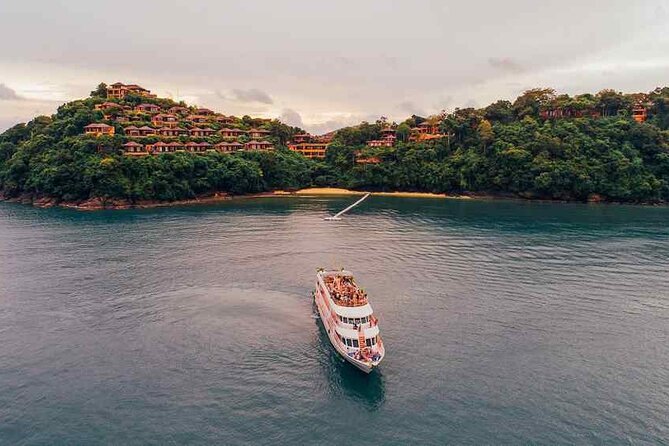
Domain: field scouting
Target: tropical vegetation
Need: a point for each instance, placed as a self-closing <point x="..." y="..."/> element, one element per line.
<point x="593" y="150"/>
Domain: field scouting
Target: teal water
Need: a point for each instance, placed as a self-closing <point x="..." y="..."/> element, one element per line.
<point x="504" y="323"/>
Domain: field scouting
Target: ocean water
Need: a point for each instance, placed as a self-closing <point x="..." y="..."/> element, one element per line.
<point x="504" y="323"/>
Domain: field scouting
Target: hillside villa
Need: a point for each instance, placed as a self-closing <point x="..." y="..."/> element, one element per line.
<point x="305" y="144"/>
<point x="388" y="138"/>
<point x="99" y="129"/>
<point x="120" y="91"/>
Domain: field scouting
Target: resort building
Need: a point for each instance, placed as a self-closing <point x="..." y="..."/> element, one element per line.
<point x="221" y="119"/>
<point x="198" y="119"/>
<point x="165" y="120"/>
<point x="196" y="132"/>
<point x="107" y="106"/>
<point x="381" y="142"/>
<point x="131" y="130"/>
<point x="326" y="138"/>
<point x="301" y="138"/>
<point x="163" y="147"/>
<point x="178" y="110"/>
<point x="120" y="91"/>
<point x="231" y="133"/>
<point x="175" y="147"/>
<point x="367" y="160"/>
<point x="134" y="149"/>
<point x="640" y="113"/>
<point x="228" y="146"/>
<point x="259" y="145"/>
<point x="147" y="108"/>
<point x="198" y="147"/>
<point x="146" y="131"/>
<point x="171" y="131"/>
<point x="388" y="138"/>
<point x="425" y="132"/>
<point x="258" y="133"/>
<point x="204" y="112"/>
<point x="158" y="147"/>
<point x="309" y="149"/>
<point x="99" y="129"/>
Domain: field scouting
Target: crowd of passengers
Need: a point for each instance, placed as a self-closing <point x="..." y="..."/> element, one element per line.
<point x="343" y="289"/>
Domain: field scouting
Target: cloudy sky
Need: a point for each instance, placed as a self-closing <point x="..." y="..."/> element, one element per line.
<point x="324" y="65"/>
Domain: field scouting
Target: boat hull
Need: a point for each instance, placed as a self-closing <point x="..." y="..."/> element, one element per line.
<point x="364" y="366"/>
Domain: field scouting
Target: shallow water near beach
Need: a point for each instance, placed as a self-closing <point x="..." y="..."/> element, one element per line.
<point x="504" y="322"/>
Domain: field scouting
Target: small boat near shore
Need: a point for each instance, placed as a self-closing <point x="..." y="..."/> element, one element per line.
<point x="348" y="319"/>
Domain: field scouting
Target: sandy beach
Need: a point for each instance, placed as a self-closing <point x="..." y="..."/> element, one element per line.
<point x="340" y="191"/>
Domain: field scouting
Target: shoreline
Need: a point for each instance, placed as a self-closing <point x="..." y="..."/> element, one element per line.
<point x="98" y="204"/>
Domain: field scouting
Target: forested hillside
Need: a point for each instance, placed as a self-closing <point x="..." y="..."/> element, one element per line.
<point x="541" y="145"/>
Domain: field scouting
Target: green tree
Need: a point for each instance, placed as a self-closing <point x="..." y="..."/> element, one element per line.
<point x="100" y="91"/>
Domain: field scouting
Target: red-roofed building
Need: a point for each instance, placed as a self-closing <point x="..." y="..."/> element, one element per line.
<point x="99" y="129"/>
<point x="171" y="132"/>
<point x="131" y="130"/>
<point x="120" y="91"/>
<point x="259" y="145"/>
<point x="199" y="119"/>
<point x="258" y="133"/>
<point x="198" y="147"/>
<point x="301" y="138"/>
<point x="148" y="108"/>
<point x="134" y="149"/>
<point x="309" y="149"/>
<point x="107" y="106"/>
<point x="231" y="133"/>
<point x="165" y="120"/>
<point x="196" y="132"/>
<point x="228" y="146"/>
<point x="425" y="132"/>
<point x="146" y="131"/>
<point x="221" y="119"/>
<point x="640" y="113"/>
<point x="178" y="110"/>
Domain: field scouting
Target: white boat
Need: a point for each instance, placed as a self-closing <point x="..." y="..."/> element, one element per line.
<point x="348" y="319"/>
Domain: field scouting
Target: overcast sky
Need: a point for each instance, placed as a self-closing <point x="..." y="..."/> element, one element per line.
<point x="324" y="65"/>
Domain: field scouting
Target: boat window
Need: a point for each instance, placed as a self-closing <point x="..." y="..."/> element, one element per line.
<point x="348" y="342"/>
<point x="368" y="342"/>
<point x="355" y="342"/>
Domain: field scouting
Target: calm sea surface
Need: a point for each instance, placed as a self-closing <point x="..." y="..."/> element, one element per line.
<point x="504" y="323"/>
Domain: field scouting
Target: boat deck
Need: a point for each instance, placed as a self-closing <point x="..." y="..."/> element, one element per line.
<point x="344" y="291"/>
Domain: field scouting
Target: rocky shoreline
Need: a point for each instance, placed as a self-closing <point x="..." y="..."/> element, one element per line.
<point x="99" y="204"/>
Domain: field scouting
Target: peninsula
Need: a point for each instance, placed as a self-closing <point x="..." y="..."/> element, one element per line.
<point x="124" y="147"/>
